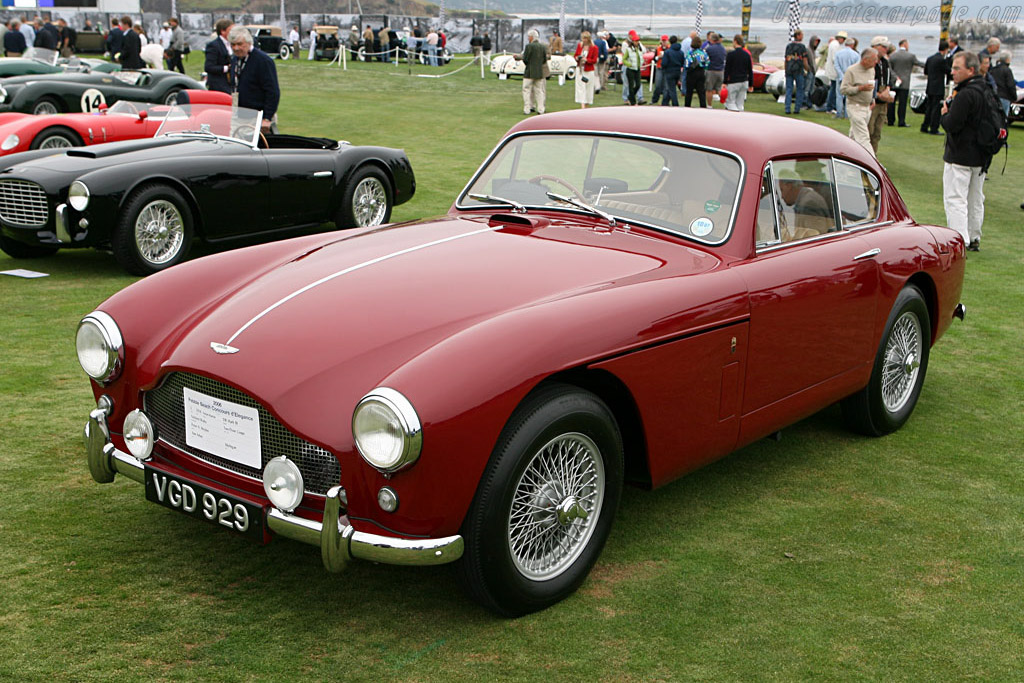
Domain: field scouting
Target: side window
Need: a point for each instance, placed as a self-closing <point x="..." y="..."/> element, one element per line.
<point x="858" y="194"/>
<point x="767" y="228"/>
<point x="804" y="189"/>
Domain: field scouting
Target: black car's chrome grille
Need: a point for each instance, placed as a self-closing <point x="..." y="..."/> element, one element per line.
<point x="165" y="407"/>
<point x="23" y="203"/>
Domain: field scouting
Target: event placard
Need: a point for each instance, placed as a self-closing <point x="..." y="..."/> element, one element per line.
<point x="222" y="428"/>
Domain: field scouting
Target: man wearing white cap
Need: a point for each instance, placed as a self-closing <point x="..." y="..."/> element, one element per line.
<point x="834" y="46"/>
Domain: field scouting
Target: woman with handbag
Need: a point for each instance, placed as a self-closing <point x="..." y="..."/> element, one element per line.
<point x="586" y="60"/>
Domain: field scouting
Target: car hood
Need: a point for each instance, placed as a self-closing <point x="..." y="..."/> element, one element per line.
<point x="347" y="311"/>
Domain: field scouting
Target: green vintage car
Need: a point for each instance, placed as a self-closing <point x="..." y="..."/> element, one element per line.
<point x="39" y="60"/>
<point x="87" y="92"/>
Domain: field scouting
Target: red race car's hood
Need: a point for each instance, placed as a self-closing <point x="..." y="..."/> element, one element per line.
<point x="363" y="304"/>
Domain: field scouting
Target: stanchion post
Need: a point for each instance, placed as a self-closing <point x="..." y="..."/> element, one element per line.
<point x="344" y="58"/>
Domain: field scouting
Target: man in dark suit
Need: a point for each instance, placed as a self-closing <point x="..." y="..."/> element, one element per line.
<point x="115" y="39"/>
<point x="131" y="48"/>
<point x="936" y="69"/>
<point x="255" y="77"/>
<point x="903" y="62"/>
<point x="218" y="58"/>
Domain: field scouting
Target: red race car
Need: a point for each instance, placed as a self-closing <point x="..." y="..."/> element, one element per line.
<point x="122" y="121"/>
<point x="611" y="298"/>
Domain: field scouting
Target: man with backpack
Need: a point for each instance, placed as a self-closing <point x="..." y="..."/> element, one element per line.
<point x="975" y="130"/>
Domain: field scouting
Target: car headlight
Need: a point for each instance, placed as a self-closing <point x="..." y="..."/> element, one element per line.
<point x="10" y="142"/>
<point x="387" y="430"/>
<point x="282" y="482"/>
<point x="100" y="347"/>
<point x="139" y="435"/>
<point x="78" y="195"/>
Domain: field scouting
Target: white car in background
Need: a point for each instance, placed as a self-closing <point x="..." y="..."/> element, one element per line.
<point x="510" y="66"/>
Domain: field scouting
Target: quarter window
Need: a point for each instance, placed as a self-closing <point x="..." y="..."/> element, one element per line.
<point x="858" y="193"/>
<point x="803" y="192"/>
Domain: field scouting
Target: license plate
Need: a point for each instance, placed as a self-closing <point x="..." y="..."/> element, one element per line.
<point x="204" y="503"/>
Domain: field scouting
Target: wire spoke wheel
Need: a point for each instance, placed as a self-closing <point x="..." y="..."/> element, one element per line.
<point x="902" y="361"/>
<point x="45" y="107"/>
<point x="55" y="142"/>
<point x="369" y="202"/>
<point x="159" y="231"/>
<point x="555" y="506"/>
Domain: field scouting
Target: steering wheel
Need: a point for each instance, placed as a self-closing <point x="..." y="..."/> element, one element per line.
<point x="133" y="110"/>
<point x="243" y="131"/>
<point x="559" y="181"/>
<point x="263" y="140"/>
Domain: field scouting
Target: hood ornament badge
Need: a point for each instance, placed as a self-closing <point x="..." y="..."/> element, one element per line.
<point x="222" y="348"/>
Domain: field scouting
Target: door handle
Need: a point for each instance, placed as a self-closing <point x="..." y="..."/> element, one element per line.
<point x="872" y="253"/>
<point x="323" y="174"/>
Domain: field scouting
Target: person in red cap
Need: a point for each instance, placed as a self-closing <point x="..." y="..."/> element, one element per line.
<point x="632" y="60"/>
<point x="659" y="76"/>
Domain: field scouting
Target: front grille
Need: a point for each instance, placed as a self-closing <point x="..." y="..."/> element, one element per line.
<point x="166" y="408"/>
<point x="23" y="203"/>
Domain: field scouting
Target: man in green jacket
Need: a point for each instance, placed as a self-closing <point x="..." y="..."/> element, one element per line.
<point x="535" y="58"/>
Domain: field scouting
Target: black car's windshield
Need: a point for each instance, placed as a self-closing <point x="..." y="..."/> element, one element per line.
<point x="233" y="123"/>
<point x="42" y="54"/>
<point x="683" y="189"/>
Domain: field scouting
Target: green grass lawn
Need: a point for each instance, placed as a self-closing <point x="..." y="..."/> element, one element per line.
<point x="824" y="555"/>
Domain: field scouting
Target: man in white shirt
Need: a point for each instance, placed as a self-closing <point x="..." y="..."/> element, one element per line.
<point x="432" y="47"/>
<point x="834" y="46"/>
<point x="165" y="36"/>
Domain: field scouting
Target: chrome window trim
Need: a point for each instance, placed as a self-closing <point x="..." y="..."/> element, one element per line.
<point x="758" y="246"/>
<point x="866" y="226"/>
<point x="612" y="134"/>
<point x="835" y="190"/>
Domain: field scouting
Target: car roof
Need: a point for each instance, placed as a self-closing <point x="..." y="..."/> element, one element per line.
<point x="755" y="137"/>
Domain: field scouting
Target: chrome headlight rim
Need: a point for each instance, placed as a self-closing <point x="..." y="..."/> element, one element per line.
<point x="78" y="196"/>
<point x="139" y="435"/>
<point x="408" y="421"/>
<point x="283" y="483"/>
<point x="112" y="341"/>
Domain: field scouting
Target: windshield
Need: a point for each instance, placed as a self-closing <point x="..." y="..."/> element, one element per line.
<point x="234" y="123"/>
<point x="688" y="191"/>
<point x="41" y="54"/>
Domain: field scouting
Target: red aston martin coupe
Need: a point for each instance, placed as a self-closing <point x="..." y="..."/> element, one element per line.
<point x="616" y="295"/>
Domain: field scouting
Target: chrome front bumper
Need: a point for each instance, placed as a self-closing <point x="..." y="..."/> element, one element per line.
<point x="338" y="542"/>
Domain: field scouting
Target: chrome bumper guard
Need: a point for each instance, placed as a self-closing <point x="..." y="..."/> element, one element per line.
<point x="338" y="542"/>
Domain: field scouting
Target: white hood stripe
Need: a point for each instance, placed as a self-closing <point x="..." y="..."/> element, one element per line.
<point x="350" y="269"/>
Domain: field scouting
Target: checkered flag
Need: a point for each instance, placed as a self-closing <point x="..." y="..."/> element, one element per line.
<point x="794" y="18"/>
<point x="561" y="20"/>
<point x="700" y="15"/>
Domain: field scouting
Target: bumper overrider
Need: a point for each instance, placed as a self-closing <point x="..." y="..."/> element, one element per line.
<point x="338" y="542"/>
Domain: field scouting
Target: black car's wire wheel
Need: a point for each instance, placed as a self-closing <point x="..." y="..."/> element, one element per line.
<point x="172" y="96"/>
<point x="545" y="504"/>
<point x="57" y="137"/>
<point x="367" y="200"/>
<point x="154" y="231"/>
<point x="46" y="105"/>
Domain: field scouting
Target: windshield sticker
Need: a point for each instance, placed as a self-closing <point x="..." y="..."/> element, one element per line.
<point x="701" y="226"/>
<point x="712" y="205"/>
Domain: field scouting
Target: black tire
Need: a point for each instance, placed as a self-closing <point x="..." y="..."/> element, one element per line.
<point x="47" y="105"/>
<point x="57" y="137"/>
<point x="16" y="249"/>
<point x="154" y="230"/>
<point x="570" y="73"/>
<point x="368" y="200"/>
<point x="285" y="52"/>
<point x="361" y="54"/>
<point x="172" y="96"/>
<point x="885" y="404"/>
<point x="521" y="503"/>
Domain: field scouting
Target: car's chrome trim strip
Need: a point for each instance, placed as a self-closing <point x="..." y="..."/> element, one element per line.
<point x="348" y="270"/>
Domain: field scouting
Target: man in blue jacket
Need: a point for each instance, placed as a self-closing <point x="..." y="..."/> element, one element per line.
<point x="218" y="58"/>
<point x="671" y="63"/>
<point x="255" y="77"/>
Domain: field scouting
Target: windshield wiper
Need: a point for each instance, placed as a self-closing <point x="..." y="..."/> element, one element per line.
<point x="516" y="206"/>
<point x="586" y="207"/>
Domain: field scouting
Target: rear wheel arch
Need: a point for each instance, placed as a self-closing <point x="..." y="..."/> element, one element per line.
<point x="926" y="285"/>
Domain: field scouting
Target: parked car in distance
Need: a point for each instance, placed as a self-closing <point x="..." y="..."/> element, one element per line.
<point x="208" y="173"/>
<point x="39" y="60"/>
<point x="326" y="42"/>
<point x="269" y="39"/>
<point x="611" y="298"/>
<point x="123" y="120"/>
<point x="87" y="92"/>
<point x="508" y="65"/>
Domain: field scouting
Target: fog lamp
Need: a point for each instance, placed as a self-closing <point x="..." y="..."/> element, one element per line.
<point x="282" y="481"/>
<point x="138" y="434"/>
<point x="387" y="499"/>
<point x="10" y="142"/>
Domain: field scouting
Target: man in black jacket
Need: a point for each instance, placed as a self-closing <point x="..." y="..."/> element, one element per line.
<point x="255" y="77"/>
<point x="218" y="58"/>
<point x="935" y="69"/>
<point x="963" y="175"/>
<point x="131" y="48"/>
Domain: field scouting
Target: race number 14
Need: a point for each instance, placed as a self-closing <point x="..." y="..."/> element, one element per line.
<point x="92" y="100"/>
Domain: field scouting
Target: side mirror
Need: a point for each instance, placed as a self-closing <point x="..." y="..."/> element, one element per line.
<point x="143" y="115"/>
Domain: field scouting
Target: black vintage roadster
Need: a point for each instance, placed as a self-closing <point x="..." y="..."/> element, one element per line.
<point x="209" y="174"/>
